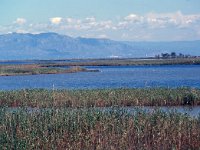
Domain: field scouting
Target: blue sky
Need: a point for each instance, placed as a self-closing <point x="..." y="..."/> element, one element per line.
<point x="132" y="20"/>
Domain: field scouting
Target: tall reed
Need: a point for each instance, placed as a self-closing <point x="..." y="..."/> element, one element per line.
<point x="100" y="97"/>
<point x="95" y="129"/>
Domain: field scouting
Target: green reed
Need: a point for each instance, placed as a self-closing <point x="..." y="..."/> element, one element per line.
<point x="96" y="129"/>
<point x="100" y="97"/>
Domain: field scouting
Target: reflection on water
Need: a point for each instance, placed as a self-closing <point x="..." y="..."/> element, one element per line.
<point x="190" y="111"/>
<point x="110" y="77"/>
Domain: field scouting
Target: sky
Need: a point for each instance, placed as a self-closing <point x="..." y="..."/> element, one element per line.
<point x="123" y="20"/>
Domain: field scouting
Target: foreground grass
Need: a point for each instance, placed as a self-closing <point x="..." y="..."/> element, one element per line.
<point x="57" y="122"/>
<point x="93" y="129"/>
<point x="41" y="98"/>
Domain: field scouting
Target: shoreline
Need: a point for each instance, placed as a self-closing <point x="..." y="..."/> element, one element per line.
<point x="55" y="66"/>
<point x="128" y="62"/>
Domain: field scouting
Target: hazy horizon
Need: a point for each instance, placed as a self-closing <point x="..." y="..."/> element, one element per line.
<point x="128" y="20"/>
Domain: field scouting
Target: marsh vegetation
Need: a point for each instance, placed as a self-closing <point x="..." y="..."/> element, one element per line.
<point x="93" y="129"/>
<point x="30" y="69"/>
<point x="70" y="119"/>
<point x="42" y="98"/>
<point x="77" y="65"/>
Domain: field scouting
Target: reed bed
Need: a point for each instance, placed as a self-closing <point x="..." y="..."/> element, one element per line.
<point x="93" y="129"/>
<point x="14" y="70"/>
<point x="41" y="98"/>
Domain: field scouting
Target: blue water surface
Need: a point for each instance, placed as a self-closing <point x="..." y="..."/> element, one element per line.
<point x="110" y="77"/>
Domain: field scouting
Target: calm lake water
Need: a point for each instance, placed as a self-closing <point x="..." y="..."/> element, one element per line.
<point x="110" y="77"/>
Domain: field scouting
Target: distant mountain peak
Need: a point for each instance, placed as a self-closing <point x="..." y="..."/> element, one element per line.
<point x="52" y="45"/>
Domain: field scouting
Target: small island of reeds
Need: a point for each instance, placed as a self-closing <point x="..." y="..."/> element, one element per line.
<point x="80" y="65"/>
<point x="35" y="69"/>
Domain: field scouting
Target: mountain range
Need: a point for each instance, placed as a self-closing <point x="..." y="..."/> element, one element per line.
<point x="17" y="46"/>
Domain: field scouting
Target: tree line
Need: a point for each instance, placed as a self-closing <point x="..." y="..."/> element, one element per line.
<point x="172" y="55"/>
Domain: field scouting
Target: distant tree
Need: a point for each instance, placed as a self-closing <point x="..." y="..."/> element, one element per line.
<point x="181" y="55"/>
<point x="173" y="55"/>
<point x="165" y="55"/>
<point x="187" y="56"/>
<point x="157" y="56"/>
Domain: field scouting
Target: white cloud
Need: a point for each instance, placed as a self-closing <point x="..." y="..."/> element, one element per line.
<point x="90" y="19"/>
<point x="159" y="20"/>
<point x="133" y="18"/>
<point x="105" y="25"/>
<point x="102" y="36"/>
<point x="20" y="21"/>
<point x="89" y="23"/>
<point x="122" y="24"/>
<point x="176" y="19"/>
<point x="69" y="20"/>
<point x="151" y="26"/>
<point x="56" y="20"/>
